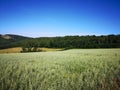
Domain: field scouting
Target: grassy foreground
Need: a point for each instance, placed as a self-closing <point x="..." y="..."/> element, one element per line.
<point x="76" y="69"/>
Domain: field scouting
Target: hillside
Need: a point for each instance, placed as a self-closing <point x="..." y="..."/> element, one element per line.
<point x="10" y="40"/>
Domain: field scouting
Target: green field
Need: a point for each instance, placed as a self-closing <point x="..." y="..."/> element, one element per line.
<point x="75" y="69"/>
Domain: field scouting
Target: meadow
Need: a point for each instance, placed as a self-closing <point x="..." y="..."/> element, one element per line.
<point x="74" y="69"/>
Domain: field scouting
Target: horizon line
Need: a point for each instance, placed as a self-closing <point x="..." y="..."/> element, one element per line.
<point x="59" y="35"/>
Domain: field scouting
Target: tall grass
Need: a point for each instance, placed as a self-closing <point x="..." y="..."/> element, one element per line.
<point x="76" y="69"/>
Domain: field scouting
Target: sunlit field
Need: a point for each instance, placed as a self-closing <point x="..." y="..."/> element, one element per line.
<point x="11" y="50"/>
<point x="75" y="69"/>
<point x="19" y="49"/>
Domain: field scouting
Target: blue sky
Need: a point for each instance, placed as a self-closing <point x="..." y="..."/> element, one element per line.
<point x="38" y="18"/>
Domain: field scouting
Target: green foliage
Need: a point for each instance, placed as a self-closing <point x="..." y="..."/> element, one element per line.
<point x="34" y="49"/>
<point x="109" y="41"/>
<point x="76" y="69"/>
<point x="30" y="46"/>
<point x="24" y="49"/>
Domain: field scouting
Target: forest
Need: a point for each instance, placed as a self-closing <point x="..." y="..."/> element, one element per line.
<point x="67" y="42"/>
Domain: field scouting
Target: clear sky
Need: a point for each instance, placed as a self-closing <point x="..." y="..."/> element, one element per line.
<point x="38" y="18"/>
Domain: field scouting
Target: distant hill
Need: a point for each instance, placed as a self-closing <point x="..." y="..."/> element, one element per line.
<point x="6" y="37"/>
<point x="10" y="40"/>
<point x="13" y="37"/>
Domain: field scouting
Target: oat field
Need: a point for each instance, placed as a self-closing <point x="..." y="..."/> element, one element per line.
<point x="75" y="69"/>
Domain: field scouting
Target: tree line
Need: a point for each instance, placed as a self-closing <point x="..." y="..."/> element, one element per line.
<point x="68" y="42"/>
